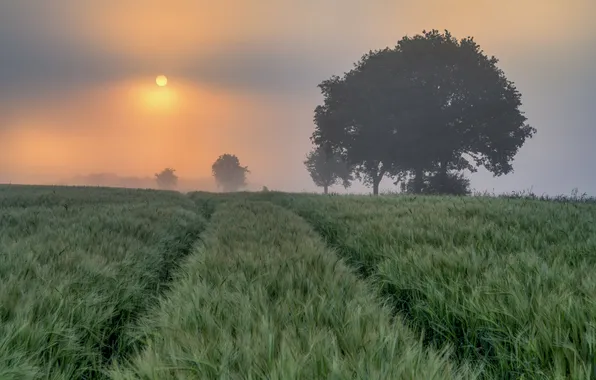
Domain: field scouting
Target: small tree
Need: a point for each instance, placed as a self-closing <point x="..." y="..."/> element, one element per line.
<point x="228" y="173"/>
<point x="327" y="169"/>
<point x="166" y="179"/>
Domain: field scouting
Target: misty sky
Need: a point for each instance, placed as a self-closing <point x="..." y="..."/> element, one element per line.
<point x="77" y="90"/>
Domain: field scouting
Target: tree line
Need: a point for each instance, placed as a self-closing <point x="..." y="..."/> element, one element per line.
<point x="228" y="173"/>
<point x="419" y="113"/>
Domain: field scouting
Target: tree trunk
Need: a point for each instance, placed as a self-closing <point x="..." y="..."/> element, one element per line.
<point x="418" y="181"/>
<point x="376" y="182"/>
<point x="443" y="169"/>
<point x="443" y="177"/>
<point x="326" y="189"/>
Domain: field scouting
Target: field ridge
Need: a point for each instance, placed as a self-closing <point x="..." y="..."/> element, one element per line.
<point x="80" y="265"/>
<point x="263" y="297"/>
<point x="499" y="279"/>
<point x="174" y="247"/>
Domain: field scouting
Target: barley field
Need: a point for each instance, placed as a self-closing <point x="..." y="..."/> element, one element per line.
<point x="135" y="284"/>
<point x="78" y="267"/>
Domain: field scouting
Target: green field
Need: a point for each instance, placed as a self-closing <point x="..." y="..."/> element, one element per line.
<point x="134" y="284"/>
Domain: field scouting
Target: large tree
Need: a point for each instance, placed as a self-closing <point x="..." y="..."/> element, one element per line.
<point x="167" y="179"/>
<point x="432" y="104"/>
<point x="229" y="174"/>
<point x="327" y="168"/>
<point x="355" y="125"/>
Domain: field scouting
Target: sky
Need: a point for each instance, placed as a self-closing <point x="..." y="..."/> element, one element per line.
<point x="78" y="93"/>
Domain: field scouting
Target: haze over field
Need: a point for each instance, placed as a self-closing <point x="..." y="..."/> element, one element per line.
<point x="78" y="92"/>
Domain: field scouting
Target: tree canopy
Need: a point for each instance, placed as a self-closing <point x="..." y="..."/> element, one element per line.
<point x="229" y="174"/>
<point x="431" y="104"/>
<point x="167" y="179"/>
<point x="327" y="168"/>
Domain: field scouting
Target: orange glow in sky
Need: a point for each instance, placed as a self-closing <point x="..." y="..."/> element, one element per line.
<point x="242" y="75"/>
<point x="145" y="128"/>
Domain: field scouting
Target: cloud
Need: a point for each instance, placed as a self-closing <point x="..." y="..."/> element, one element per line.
<point x="263" y="46"/>
<point x="267" y="67"/>
<point x="58" y="45"/>
<point x="29" y="70"/>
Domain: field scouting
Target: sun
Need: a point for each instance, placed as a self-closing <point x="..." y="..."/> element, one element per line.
<point x="161" y="80"/>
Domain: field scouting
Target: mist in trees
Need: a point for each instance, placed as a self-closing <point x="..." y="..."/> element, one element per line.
<point x="421" y="113"/>
<point x="228" y="173"/>
<point x="166" y="179"/>
<point x="327" y="168"/>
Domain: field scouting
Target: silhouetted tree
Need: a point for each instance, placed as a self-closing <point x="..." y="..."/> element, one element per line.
<point x="166" y="179"/>
<point x="348" y="124"/>
<point x="431" y="104"/>
<point x="327" y="169"/>
<point x="228" y="173"/>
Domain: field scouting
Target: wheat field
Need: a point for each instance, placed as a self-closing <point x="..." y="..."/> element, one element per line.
<point x="102" y="283"/>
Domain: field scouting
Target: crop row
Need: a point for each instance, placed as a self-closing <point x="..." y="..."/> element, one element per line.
<point x="509" y="283"/>
<point x="263" y="297"/>
<point x="78" y="267"/>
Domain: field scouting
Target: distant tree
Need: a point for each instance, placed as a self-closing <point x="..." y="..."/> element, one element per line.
<point x="228" y="173"/>
<point x="166" y="179"/>
<point x="431" y="104"/>
<point x="327" y="168"/>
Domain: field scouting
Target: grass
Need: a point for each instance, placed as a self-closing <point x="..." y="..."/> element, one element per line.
<point x="263" y="297"/>
<point x="78" y="267"/>
<point x="128" y="284"/>
<point x="508" y="282"/>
